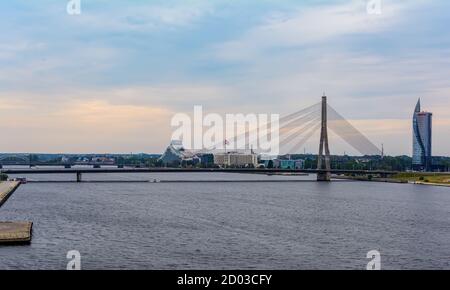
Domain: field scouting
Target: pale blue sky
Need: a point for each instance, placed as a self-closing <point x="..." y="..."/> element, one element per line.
<point x="147" y="60"/>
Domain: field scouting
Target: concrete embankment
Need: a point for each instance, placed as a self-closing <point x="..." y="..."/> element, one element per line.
<point x="13" y="232"/>
<point x="6" y="189"/>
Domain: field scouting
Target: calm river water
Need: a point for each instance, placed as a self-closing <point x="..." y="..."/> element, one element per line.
<point x="223" y="225"/>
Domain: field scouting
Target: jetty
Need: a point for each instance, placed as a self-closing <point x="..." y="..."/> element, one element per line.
<point x="7" y="188"/>
<point x="13" y="232"/>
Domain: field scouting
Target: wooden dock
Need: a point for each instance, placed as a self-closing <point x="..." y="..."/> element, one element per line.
<point x="6" y="189"/>
<point x="18" y="232"/>
<point x="15" y="232"/>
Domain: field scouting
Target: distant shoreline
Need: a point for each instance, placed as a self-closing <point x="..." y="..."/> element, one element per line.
<point x="407" y="178"/>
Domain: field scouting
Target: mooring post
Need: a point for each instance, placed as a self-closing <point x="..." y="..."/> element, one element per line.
<point x="78" y="176"/>
<point x="325" y="175"/>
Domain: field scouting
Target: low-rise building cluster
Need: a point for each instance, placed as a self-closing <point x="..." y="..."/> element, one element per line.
<point x="177" y="156"/>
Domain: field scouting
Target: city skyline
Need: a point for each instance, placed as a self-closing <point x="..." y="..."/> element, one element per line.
<point x="110" y="79"/>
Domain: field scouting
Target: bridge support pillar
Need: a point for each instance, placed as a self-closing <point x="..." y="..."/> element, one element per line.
<point x="323" y="162"/>
<point x="78" y="176"/>
<point x="324" y="176"/>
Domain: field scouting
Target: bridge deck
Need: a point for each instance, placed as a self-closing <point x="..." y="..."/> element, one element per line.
<point x="186" y="170"/>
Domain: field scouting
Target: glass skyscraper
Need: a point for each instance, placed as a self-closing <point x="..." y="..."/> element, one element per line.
<point x="421" y="158"/>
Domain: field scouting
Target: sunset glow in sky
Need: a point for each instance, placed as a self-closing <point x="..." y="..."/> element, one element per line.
<point x="111" y="78"/>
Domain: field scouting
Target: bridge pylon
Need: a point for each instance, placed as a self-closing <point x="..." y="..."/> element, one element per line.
<point x="323" y="162"/>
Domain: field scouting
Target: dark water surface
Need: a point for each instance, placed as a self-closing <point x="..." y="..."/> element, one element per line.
<point x="247" y="225"/>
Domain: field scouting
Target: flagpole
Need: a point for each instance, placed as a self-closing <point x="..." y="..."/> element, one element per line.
<point x="225" y="155"/>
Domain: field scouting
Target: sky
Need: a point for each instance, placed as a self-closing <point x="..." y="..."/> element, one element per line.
<point x="110" y="79"/>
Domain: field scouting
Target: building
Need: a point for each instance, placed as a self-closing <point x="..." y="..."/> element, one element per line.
<point x="103" y="160"/>
<point x="292" y="164"/>
<point x="206" y="159"/>
<point x="285" y="163"/>
<point x="271" y="163"/>
<point x="175" y="154"/>
<point x="422" y="125"/>
<point x="236" y="159"/>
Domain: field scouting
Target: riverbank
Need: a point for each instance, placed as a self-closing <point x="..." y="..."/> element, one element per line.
<point x="431" y="183"/>
<point x="433" y="179"/>
<point x="425" y="178"/>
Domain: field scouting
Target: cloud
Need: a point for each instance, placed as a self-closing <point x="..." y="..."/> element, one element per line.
<point x="140" y="17"/>
<point x="359" y="84"/>
<point x="260" y="56"/>
<point x="173" y="96"/>
<point x="394" y="134"/>
<point x="359" y="60"/>
<point x="117" y="119"/>
<point x="10" y="49"/>
<point x="37" y="65"/>
<point x="83" y="126"/>
<point x="310" y="25"/>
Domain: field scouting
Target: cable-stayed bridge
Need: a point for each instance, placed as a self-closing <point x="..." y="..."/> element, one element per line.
<point x="299" y="127"/>
<point x="295" y="130"/>
<point x="338" y="124"/>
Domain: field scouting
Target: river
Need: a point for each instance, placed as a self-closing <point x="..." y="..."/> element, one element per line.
<point x="225" y="225"/>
